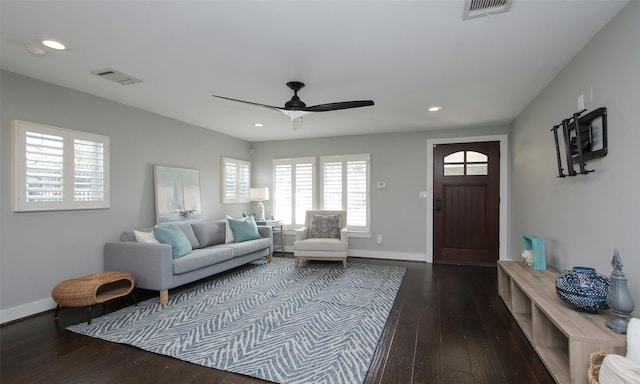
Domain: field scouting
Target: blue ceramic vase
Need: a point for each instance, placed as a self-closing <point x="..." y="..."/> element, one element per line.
<point x="583" y="289"/>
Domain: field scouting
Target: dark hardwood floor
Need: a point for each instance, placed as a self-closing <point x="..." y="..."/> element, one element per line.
<point x="447" y="325"/>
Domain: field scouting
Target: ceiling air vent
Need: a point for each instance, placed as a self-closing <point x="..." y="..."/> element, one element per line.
<point x="478" y="8"/>
<point x="116" y="76"/>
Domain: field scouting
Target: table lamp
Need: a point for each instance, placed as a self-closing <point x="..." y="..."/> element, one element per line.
<point x="259" y="194"/>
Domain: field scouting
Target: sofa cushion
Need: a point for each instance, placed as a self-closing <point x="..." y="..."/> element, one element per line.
<point x="188" y="231"/>
<point x="326" y="227"/>
<point x="128" y="236"/>
<point x="145" y="237"/>
<point x="201" y="258"/>
<point x="246" y="247"/>
<point x="244" y="230"/>
<point x="228" y="232"/>
<point x="170" y="234"/>
<point x="209" y="233"/>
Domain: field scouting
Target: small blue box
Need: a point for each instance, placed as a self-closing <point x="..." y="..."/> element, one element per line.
<point x="536" y="245"/>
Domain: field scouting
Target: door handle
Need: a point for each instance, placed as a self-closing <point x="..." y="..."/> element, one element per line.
<point x="438" y="204"/>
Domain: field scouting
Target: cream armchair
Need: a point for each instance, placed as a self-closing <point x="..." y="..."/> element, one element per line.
<point x="323" y="237"/>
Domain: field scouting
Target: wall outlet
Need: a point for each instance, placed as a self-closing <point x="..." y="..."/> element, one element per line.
<point x="379" y="239"/>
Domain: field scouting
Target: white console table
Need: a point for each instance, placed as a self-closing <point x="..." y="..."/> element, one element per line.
<point x="278" y="229"/>
<point x="563" y="337"/>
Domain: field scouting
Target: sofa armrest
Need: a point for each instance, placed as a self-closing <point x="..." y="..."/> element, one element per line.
<point x="151" y="264"/>
<point x="267" y="232"/>
<point x="302" y="233"/>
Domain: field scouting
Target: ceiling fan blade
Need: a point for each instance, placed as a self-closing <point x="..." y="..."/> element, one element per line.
<point x="249" y="102"/>
<point x="338" y="106"/>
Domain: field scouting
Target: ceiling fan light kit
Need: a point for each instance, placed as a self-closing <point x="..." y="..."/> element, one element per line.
<point x="296" y="108"/>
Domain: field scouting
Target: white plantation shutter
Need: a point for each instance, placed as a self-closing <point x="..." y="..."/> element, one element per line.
<point x="293" y="189"/>
<point x="235" y="180"/>
<point x="59" y="169"/>
<point x="345" y="181"/>
<point x="88" y="170"/>
<point x="44" y="167"/>
<point x="357" y="193"/>
<point x="304" y="186"/>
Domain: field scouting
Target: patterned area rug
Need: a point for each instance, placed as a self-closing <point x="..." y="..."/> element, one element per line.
<point x="319" y="323"/>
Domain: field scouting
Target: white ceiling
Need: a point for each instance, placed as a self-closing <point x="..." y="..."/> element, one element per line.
<point x="404" y="55"/>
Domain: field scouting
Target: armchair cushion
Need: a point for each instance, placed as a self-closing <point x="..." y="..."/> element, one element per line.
<point x="325" y="227"/>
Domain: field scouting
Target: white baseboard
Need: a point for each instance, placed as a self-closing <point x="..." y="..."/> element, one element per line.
<point x="388" y="255"/>
<point x="24" y="310"/>
<point x="380" y="254"/>
<point x="20" y="311"/>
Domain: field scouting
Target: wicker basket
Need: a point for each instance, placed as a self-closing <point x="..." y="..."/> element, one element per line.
<point x="93" y="289"/>
<point x="595" y="361"/>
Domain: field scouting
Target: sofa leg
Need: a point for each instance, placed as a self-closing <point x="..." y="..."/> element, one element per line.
<point x="295" y="262"/>
<point x="164" y="296"/>
<point x="269" y="258"/>
<point x="344" y="262"/>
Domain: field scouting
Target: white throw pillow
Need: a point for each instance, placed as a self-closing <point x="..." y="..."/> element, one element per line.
<point x="633" y="340"/>
<point x="145" y="237"/>
<point x="228" y="238"/>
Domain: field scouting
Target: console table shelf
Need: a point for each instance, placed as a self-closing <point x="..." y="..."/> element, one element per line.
<point x="562" y="337"/>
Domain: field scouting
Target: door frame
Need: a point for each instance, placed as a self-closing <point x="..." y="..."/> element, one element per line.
<point x="504" y="189"/>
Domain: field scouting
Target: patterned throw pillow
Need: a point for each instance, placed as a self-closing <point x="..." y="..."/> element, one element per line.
<point x="327" y="227"/>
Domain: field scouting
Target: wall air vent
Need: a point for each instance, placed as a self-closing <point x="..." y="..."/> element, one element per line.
<point x="118" y="77"/>
<point x="479" y="8"/>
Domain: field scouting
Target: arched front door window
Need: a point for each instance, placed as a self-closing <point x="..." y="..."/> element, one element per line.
<point x="466" y="163"/>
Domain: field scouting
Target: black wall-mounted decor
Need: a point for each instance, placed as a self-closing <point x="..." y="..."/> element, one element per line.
<point x="584" y="138"/>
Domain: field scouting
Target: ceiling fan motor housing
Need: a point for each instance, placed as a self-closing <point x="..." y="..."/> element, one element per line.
<point x="295" y="103"/>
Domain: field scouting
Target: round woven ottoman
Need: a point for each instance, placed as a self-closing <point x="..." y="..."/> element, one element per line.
<point x="93" y="289"/>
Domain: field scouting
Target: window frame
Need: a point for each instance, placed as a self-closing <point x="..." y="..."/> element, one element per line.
<point x="240" y="197"/>
<point x="318" y="187"/>
<point x="69" y="154"/>
<point x="345" y="159"/>
<point x="293" y="162"/>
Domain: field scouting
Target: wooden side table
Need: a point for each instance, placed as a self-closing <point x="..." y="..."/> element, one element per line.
<point x="278" y="229"/>
<point x="93" y="289"/>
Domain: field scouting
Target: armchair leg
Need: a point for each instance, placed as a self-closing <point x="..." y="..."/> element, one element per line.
<point x="344" y="262"/>
<point x="295" y="262"/>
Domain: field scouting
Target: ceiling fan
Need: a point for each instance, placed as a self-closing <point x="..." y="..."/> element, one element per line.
<point x="296" y="108"/>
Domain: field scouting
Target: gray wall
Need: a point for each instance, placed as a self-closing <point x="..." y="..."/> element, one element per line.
<point x="583" y="218"/>
<point x="400" y="160"/>
<point x="39" y="249"/>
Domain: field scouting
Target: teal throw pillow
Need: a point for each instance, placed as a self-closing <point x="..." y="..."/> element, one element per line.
<point x="244" y="230"/>
<point x="172" y="235"/>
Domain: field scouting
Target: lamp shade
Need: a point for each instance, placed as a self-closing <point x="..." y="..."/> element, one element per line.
<point x="259" y="194"/>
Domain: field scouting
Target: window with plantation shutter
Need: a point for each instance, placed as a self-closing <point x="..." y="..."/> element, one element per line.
<point x="345" y="185"/>
<point x="235" y="180"/>
<point x="59" y="169"/>
<point x="294" y="185"/>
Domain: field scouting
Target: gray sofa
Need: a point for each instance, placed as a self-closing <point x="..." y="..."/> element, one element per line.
<point x="155" y="269"/>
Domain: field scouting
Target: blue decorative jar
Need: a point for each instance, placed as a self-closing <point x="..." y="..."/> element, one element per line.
<point x="583" y="289"/>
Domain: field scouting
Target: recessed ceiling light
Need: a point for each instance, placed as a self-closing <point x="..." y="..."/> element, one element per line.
<point x="258" y="125"/>
<point x="435" y="108"/>
<point x="54" y="45"/>
<point x="35" y="50"/>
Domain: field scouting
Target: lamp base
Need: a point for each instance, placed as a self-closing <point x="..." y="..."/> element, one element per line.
<point x="261" y="211"/>
<point x="617" y="325"/>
